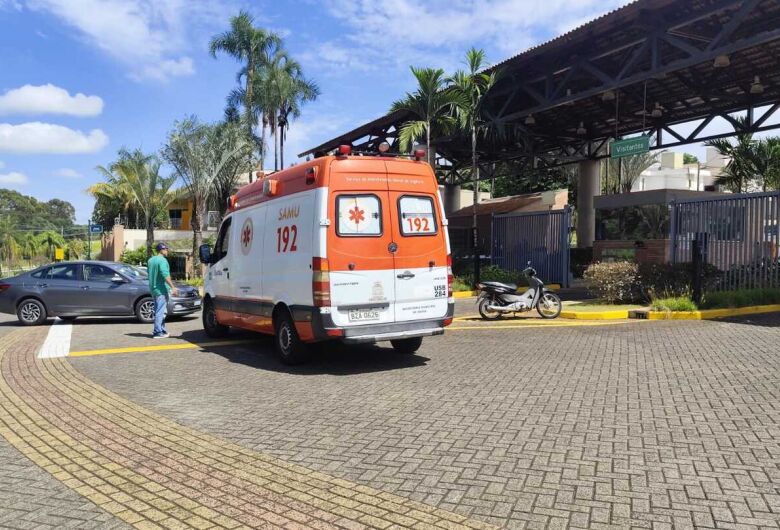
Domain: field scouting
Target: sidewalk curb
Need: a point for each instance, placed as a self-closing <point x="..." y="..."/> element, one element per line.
<point x="705" y="314"/>
<point x="595" y="315"/>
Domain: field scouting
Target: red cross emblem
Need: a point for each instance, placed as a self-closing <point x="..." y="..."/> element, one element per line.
<point x="246" y="236"/>
<point x="356" y="215"/>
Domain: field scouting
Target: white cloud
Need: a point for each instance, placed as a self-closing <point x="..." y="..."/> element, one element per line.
<point x="47" y="138"/>
<point x="49" y="99"/>
<point x="408" y="30"/>
<point x="151" y="37"/>
<point x="67" y="173"/>
<point x="13" y="178"/>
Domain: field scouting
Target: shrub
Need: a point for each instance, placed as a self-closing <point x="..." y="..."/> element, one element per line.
<point x="194" y="282"/>
<point x="613" y="282"/>
<point x="657" y="280"/>
<point x="741" y="298"/>
<point x="674" y="303"/>
<point x="134" y="257"/>
<point x="461" y="284"/>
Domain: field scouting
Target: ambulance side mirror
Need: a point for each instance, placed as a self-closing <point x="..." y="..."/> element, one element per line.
<point x="204" y="253"/>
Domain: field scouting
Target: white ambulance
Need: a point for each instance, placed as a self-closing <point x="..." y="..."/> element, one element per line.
<point x="350" y="248"/>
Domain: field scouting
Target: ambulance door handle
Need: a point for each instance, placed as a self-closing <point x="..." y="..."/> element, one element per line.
<point x="228" y="273"/>
<point x="405" y="276"/>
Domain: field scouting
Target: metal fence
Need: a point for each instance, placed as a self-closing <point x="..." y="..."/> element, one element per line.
<point x="540" y="237"/>
<point x="734" y="237"/>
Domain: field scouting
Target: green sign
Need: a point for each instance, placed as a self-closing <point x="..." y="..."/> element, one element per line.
<point x="629" y="146"/>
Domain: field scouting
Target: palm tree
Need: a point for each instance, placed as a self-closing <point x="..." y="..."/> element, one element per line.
<point x="152" y="193"/>
<point x="9" y="246"/>
<point x="198" y="155"/>
<point x="470" y="88"/>
<point x="765" y="157"/>
<point x="620" y="174"/>
<point x="287" y="91"/>
<point x="740" y="171"/>
<point x="252" y="46"/>
<point x="433" y="106"/>
<point x="117" y="195"/>
<point x="230" y="138"/>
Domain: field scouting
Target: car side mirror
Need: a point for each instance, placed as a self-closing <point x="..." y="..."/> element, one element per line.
<point x="204" y="253"/>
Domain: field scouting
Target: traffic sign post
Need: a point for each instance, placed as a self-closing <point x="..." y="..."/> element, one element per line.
<point x="95" y="229"/>
<point x="629" y="146"/>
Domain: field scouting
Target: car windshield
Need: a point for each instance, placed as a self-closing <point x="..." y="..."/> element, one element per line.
<point x="132" y="272"/>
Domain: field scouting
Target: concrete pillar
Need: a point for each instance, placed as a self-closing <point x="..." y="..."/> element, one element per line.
<point x="588" y="186"/>
<point x="451" y="198"/>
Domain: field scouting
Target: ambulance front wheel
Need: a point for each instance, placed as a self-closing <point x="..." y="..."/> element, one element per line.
<point x="289" y="346"/>
<point x="407" y="346"/>
<point x="210" y="323"/>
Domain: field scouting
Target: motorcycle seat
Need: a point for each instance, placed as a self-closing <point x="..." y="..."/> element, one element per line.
<point x="501" y="286"/>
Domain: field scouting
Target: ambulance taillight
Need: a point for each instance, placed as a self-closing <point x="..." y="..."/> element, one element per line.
<point x="321" y="282"/>
<point x="450" y="277"/>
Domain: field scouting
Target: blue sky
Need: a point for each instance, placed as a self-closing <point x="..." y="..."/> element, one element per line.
<point x="81" y="78"/>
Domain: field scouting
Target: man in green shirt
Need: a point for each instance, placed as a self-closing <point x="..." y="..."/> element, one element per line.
<point x="160" y="285"/>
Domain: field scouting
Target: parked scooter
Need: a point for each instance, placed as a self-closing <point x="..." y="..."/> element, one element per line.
<point x="497" y="299"/>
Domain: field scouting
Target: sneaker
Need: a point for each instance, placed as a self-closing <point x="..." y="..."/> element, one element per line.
<point x="165" y="335"/>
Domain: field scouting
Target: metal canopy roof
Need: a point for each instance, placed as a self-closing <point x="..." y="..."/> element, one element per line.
<point x="665" y="49"/>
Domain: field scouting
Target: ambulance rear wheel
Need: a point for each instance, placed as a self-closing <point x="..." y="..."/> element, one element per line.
<point x="211" y="325"/>
<point x="407" y="346"/>
<point x="289" y="346"/>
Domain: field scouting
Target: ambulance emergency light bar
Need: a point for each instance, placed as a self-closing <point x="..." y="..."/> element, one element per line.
<point x="383" y="148"/>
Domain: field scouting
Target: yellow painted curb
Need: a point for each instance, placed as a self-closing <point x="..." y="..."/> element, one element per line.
<point x="706" y="314"/>
<point x="469" y="294"/>
<point x="595" y="315"/>
<point x="159" y="347"/>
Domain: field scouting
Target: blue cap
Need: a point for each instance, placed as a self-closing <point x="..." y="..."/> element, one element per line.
<point x="161" y="246"/>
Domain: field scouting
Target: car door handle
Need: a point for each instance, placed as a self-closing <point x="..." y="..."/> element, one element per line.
<point x="405" y="276"/>
<point x="43" y="285"/>
<point x="225" y="269"/>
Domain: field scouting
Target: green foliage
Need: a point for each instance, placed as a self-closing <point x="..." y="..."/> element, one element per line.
<point x="27" y="213"/>
<point x="194" y="282"/>
<point x="632" y="168"/>
<point x="753" y="164"/>
<point x="741" y="298"/>
<point x="674" y="303"/>
<point x="461" y="284"/>
<point x="613" y="282"/>
<point x="689" y="158"/>
<point x="490" y="273"/>
<point x="134" y="257"/>
<point x="633" y="223"/>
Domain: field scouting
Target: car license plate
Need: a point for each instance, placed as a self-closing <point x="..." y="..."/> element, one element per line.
<point x="196" y="303"/>
<point x="363" y="315"/>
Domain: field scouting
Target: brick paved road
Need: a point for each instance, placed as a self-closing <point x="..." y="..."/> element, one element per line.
<point x="652" y="424"/>
<point x="642" y="425"/>
<point x="31" y="498"/>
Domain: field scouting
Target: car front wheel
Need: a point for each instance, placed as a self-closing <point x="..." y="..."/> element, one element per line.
<point x="144" y="310"/>
<point x="31" y="312"/>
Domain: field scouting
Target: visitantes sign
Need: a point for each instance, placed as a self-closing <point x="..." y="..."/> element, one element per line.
<point x="629" y="146"/>
<point x="96" y="229"/>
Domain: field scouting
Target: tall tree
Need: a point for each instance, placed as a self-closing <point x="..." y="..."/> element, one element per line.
<point x="471" y="87"/>
<point x="765" y="157"/>
<point x="252" y="46"/>
<point x="197" y="153"/>
<point x="151" y="192"/>
<point x="433" y="106"/>
<point x="619" y="175"/>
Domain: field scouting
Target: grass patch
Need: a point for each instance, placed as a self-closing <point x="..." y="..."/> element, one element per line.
<point x="674" y="303"/>
<point x="741" y="298"/>
<point x="460" y="284"/>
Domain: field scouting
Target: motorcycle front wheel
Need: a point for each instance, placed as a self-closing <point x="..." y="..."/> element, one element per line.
<point x="549" y="305"/>
<point x="485" y="312"/>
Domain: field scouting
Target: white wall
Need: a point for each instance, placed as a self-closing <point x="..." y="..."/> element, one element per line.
<point x="135" y="239"/>
<point x="681" y="178"/>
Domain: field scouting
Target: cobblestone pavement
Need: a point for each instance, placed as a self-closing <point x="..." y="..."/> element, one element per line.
<point x="645" y="425"/>
<point x="153" y="473"/>
<point x="652" y="424"/>
<point x="31" y="498"/>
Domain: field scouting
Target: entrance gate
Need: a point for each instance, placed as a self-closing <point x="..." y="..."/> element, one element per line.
<point x="539" y="237"/>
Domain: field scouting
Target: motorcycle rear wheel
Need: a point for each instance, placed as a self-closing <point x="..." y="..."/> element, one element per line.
<point x="486" y="313"/>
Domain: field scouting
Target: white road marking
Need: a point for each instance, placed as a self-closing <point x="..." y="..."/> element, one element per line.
<point x="57" y="343"/>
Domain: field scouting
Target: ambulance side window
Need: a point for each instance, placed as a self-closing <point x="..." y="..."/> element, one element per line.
<point x="417" y="216"/>
<point x="223" y="241"/>
<point x="358" y="215"/>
